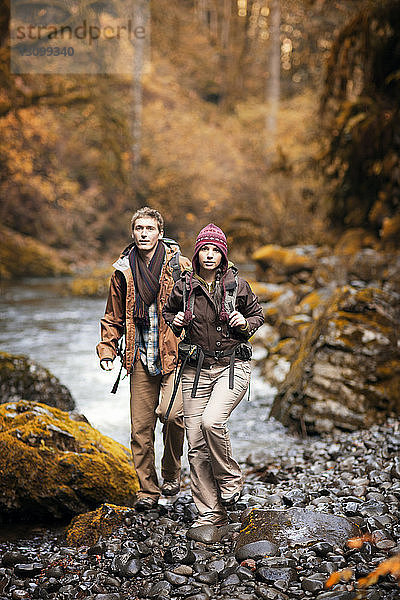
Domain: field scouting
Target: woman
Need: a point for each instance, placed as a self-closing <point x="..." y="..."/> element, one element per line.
<point x="219" y="313"/>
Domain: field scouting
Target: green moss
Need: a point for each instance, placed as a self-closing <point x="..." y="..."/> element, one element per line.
<point x="86" y="529"/>
<point x="53" y="466"/>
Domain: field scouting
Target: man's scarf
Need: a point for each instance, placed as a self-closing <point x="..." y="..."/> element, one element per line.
<point x="147" y="280"/>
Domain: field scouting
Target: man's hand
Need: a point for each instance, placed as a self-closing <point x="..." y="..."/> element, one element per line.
<point x="107" y="364"/>
<point x="179" y="319"/>
<point x="236" y="319"/>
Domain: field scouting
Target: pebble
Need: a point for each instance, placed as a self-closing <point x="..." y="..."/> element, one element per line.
<point x="151" y="556"/>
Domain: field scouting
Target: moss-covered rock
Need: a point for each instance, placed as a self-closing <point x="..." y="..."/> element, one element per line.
<point x="283" y="260"/>
<point x="23" y="256"/>
<point x="346" y="372"/>
<point x="265" y="291"/>
<point x="95" y="284"/>
<point x="86" y="529"/>
<point x="294" y="527"/>
<point x="54" y="467"/>
<point x="24" y="379"/>
<point x="355" y="257"/>
<point x="353" y="240"/>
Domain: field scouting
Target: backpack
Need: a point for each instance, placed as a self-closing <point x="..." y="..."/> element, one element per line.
<point x="174" y="262"/>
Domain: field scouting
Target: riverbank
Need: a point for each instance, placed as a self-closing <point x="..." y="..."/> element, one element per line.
<point x="148" y="556"/>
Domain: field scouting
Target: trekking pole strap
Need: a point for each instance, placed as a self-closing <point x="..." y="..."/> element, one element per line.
<point x="177" y="380"/>
<point x="116" y="384"/>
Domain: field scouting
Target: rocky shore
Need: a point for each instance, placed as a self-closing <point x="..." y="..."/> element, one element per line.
<point x="356" y="475"/>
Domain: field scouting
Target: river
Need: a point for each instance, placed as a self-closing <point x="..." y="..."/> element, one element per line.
<point x="40" y="320"/>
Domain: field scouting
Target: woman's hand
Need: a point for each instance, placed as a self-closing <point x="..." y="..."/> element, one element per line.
<point x="236" y="319"/>
<point x="179" y="319"/>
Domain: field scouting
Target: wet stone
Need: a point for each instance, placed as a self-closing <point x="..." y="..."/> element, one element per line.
<point x="373" y="508"/>
<point x="322" y="548"/>
<point x="294" y="526"/>
<point x="186" y="590"/>
<point x="336" y="595"/>
<point x="19" y="594"/>
<point x="161" y="588"/>
<point x="56" y="572"/>
<point x="217" y="565"/>
<point x="126" y="565"/>
<point x="207" y="534"/>
<point x="245" y="574"/>
<point x="183" y="570"/>
<point x="11" y="558"/>
<point x="271" y="575"/>
<point x="227" y="571"/>
<point x="294" y="497"/>
<point x="256" y="550"/>
<point x="209" y="578"/>
<point x="314" y="583"/>
<point x="232" y="579"/>
<point x="179" y="554"/>
<point x="174" y="578"/>
<point x="267" y="593"/>
<point x="28" y="570"/>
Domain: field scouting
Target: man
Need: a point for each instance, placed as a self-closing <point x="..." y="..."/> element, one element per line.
<point x="140" y="285"/>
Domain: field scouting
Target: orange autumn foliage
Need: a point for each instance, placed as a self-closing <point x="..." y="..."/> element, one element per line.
<point x="391" y="566"/>
<point x="334" y="578"/>
<point x="357" y="542"/>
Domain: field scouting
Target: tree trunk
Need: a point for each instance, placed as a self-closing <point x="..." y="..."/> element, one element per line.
<point x="201" y="9"/>
<point x="141" y="18"/>
<point x="274" y="80"/>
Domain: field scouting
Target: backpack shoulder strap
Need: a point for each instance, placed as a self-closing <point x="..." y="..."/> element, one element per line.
<point x="230" y="296"/>
<point x="185" y="297"/>
<point x="175" y="266"/>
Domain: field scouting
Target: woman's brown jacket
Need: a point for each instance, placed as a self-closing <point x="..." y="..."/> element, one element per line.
<point x="118" y="317"/>
<point x="206" y="329"/>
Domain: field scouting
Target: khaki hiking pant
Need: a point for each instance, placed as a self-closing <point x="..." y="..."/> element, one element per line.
<point x="150" y="396"/>
<point x="214" y="473"/>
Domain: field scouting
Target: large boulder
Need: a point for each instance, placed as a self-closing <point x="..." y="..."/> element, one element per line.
<point x="25" y="379"/>
<point x="54" y="467"/>
<point x="346" y="370"/>
<point x="265" y="531"/>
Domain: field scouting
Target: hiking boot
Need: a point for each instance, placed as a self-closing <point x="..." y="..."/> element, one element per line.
<point x="146" y="503"/>
<point x="171" y="487"/>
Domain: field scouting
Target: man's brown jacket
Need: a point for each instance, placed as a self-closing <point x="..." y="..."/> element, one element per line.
<point x="118" y="317"/>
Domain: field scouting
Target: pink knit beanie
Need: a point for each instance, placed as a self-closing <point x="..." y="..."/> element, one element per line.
<point x="210" y="234"/>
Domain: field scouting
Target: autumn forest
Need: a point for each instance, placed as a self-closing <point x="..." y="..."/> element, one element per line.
<point x="277" y="119"/>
